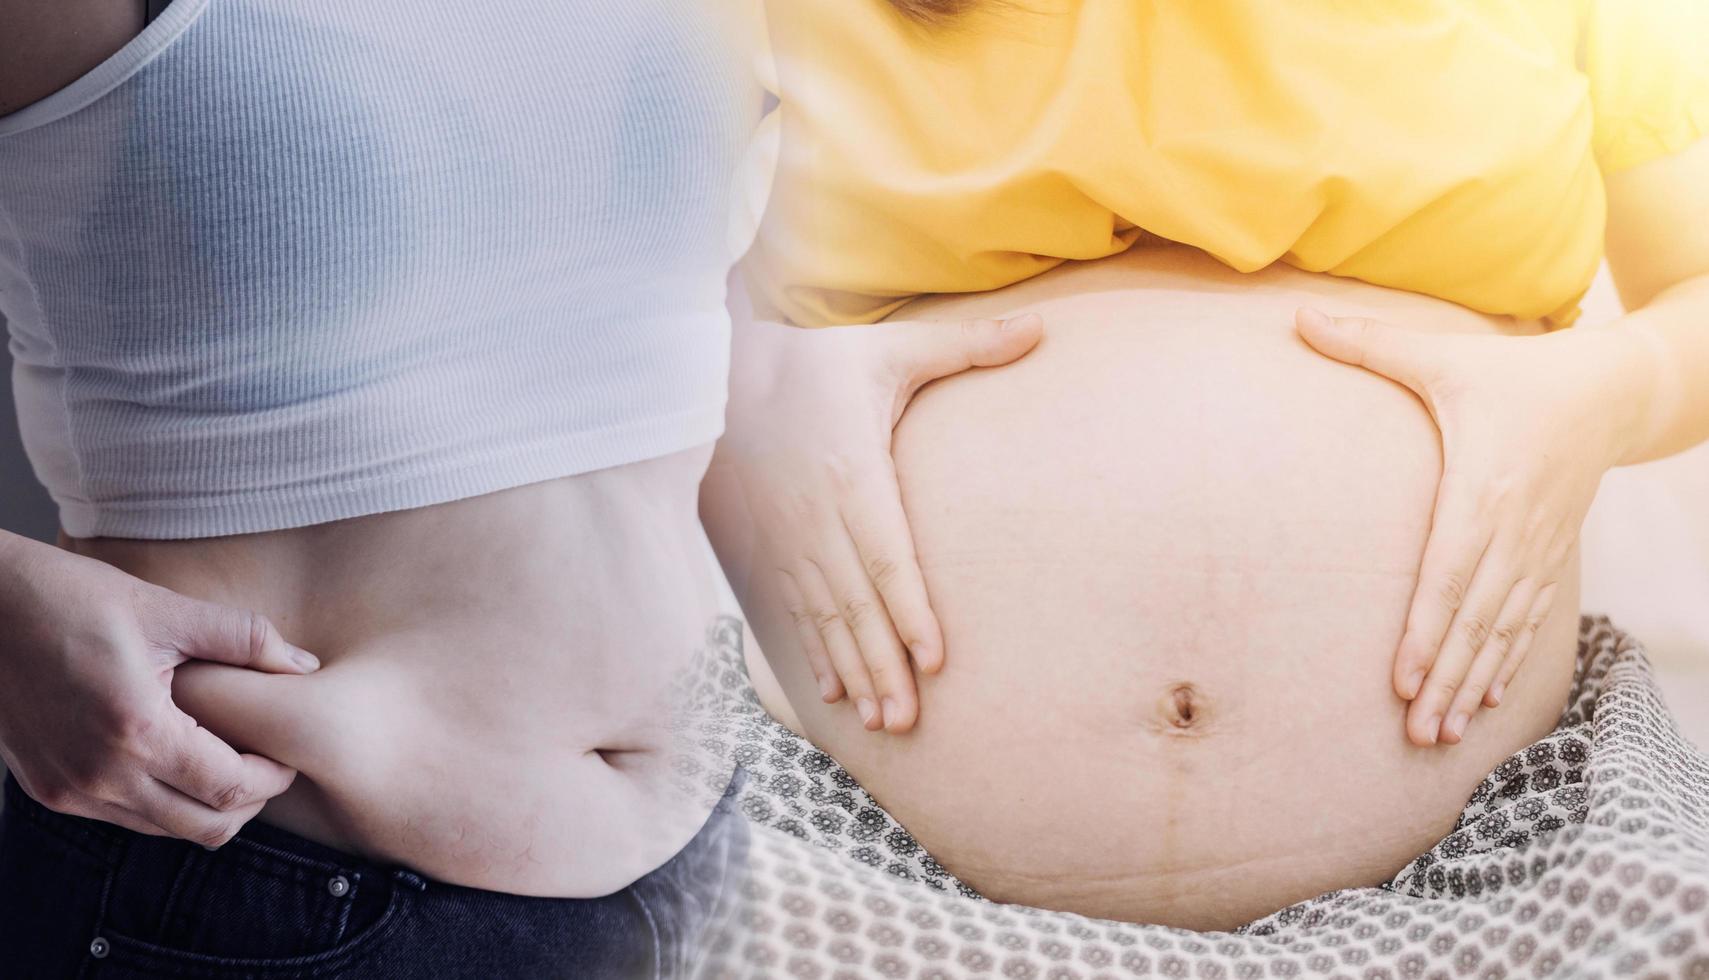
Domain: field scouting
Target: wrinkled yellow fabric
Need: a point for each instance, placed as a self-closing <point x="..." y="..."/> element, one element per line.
<point x="1450" y="148"/>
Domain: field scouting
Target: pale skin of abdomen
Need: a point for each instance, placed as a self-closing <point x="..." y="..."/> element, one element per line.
<point x="493" y="708"/>
<point x="1173" y="502"/>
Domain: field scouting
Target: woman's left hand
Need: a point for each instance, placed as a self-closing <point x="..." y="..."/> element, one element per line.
<point x="1529" y="424"/>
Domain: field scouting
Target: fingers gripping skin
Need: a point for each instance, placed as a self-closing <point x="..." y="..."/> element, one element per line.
<point x="209" y="631"/>
<point x="198" y="764"/>
<point x="87" y="718"/>
<point x="164" y="774"/>
<point x="185" y="817"/>
<point x="123" y="818"/>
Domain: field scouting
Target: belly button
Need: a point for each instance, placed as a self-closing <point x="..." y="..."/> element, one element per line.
<point x="1182" y="710"/>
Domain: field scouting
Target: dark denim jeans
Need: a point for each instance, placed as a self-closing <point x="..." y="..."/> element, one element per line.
<point x="81" y="898"/>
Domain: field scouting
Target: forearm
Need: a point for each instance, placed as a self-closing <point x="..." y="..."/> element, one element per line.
<point x="1670" y="375"/>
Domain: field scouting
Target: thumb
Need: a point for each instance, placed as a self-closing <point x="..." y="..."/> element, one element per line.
<point x="932" y="349"/>
<point x="1371" y="344"/>
<point x="210" y="631"/>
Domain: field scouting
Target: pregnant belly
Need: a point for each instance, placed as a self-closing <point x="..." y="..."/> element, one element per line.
<point x="1172" y="551"/>
<point x="493" y="708"/>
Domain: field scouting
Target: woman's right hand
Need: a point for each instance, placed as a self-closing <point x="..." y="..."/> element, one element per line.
<point x="808" y="441"/>
<point x="87" y="722"/>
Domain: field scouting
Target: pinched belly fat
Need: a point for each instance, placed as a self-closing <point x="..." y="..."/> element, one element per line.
<point x="495" y="706"/>
<point x="1172" y="552"/>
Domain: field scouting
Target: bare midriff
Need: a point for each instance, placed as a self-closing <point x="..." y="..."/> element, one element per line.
<point x="1172" y="552"/>
<point x="492" y="706"/>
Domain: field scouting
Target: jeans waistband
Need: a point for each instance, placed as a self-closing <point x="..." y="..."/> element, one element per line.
<point x="102" y="839"/>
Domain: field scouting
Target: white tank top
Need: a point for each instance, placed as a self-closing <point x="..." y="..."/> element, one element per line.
<point x="280" y="262"/>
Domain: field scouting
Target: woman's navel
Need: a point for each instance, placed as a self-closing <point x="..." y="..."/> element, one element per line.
<point x="1183" y="711"/>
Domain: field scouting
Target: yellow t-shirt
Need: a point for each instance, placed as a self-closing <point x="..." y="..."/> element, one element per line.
<point x="1448" y="147"/>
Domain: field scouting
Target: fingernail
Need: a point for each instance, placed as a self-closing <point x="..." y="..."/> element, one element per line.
<point x="1457" y="725"/>
<point x="827" y="690"/>
<point x="891" y="711"/>
<point x="868" y="711"/>
<point x="304" y="659"/>
<point x="1434" y="727"/>
<point x="1023" y="321"/>
<point x="1495" y="692"/>
<point x="919" y="655"/>
<point x="1414" y="681"/>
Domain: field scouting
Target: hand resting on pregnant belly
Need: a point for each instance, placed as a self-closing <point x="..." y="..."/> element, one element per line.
<point x="1172" y="551"/>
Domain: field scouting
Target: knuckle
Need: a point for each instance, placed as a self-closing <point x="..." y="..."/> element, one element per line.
<point x="882" y="570"/>
<point x="824" y="621"/>
<point x="215" y="834"/>
<point x="229" y="796"/>
<point x="1537" y="526"/>
<point x="800" y="505"/>
<point x="1444" y="690"/>
<point x="128" y="731"/>
<point x="859" y="611"/>
<point x="84" y="775"/>
<point x="1504" y="635"/>
<point x="1451" y="590"/>
<point x="1475" y="629"/>
<point x="257" y="632"/>
<point x="842" y="473"/>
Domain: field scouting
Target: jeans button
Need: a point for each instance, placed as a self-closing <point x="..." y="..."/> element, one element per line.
<point x="338" y="886"/>
<point x="98" y="947"/>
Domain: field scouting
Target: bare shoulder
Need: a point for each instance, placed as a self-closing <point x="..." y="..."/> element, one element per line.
<point x="46" y="45"/>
